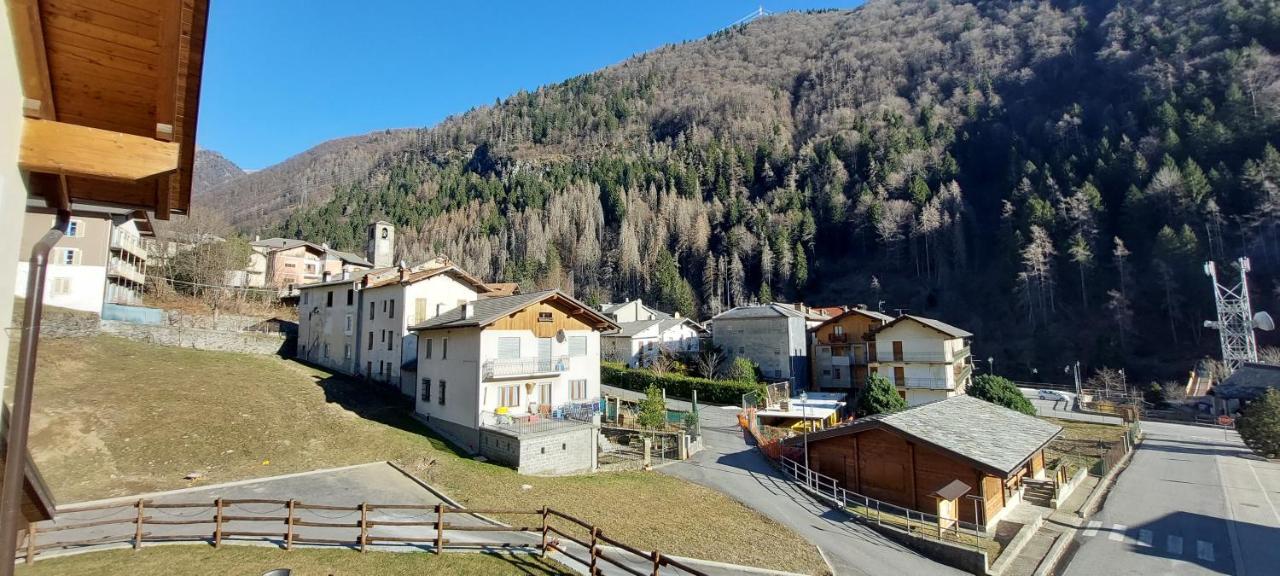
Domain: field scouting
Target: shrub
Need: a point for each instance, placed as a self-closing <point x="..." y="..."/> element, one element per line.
<point x="677" y="385"/>
<point x="743" y="370"/>
<point x="653" y="409"/>
<point x="880" y="398"/>
<point x="998" y="390"/>
<point x="1259" y="425"/>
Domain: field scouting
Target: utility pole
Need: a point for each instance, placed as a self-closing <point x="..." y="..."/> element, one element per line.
<point x="1235" y="317"/>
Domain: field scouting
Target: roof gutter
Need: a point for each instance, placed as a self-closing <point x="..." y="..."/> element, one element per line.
<point x="20" y="420"/>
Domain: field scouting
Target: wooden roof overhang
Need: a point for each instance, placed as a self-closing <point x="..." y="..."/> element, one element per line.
<point x="111" y="94"/>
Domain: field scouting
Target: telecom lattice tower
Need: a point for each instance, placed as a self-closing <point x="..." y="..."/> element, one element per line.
<point x="1235" y="317"/>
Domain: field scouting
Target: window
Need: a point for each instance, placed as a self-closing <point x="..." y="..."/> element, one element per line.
<point x="61" y="286"/>
<point x="391" y="308"/>
<point x="69" y="257"/>
<point x="427" y="352"/>
<point x="73" y="229"/>
<point x="897" y="351"/>
<point x="391" y="342"/>
<point x="371" y="339"/>
<point x="577" y="346"/>
<point x="509" y="396"/>
<point x="545" y="317"/>
<point x="305" y="298"/>
<point x="425" y="390"/>
<point x="371" y="310"/>
<point x="544" y="393"/>
<point x="368" y="366"/>
<point x="742" y="350"/>
<point x="384" y="305"/>
<point x="838" y="330"/>
<point x="442" y="386"/>
<point x="577" y="389"/>
<point x="346" y="351"/>
<point x="508" y="347"/>
<point x="350" y="325"/>
<point x="837" y="373"/>
<point x="444" y="348"/>
<point x="328" y="301"/>
<point x="326" y="350"/>
<point x="290" y="265"/>
<point x="351" y="296"/>
<point x="383" y="333"/>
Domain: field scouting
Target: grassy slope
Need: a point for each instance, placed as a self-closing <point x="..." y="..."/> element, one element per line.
<point x="166" y="560"/>
<point x="115" y="417"/>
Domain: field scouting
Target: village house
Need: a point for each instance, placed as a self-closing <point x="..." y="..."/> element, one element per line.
<point x="516" y="379"/>
<point x="843" y="347"/>
<point x="774" y="336"/>
<point x="914" y="458"/>
<point x="99" y="260"/>
<point x="285" y="263"/>
<point x="926" y="359"/>
<point x="358" y="324"/>
<point x="644" y="333"/>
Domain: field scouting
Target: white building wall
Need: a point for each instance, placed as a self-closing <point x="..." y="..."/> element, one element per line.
<point x="323" y="337"/>
<point x="681" y="338"/>
<point x="460" y="370"/>
<point x="928" y="355"/>
<point x="585" y="367"/>
<point x="84" y="286"/>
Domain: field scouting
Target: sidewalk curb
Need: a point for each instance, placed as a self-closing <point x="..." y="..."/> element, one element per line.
<point x="1050" y="560"/>
<point x="1105" y="484"/>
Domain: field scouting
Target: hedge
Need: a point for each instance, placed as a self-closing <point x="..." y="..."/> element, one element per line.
<point x="677" y="385"/>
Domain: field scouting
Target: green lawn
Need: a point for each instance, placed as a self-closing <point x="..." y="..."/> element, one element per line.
<point x="115" y="417"/>
<point x="255" y="560"/>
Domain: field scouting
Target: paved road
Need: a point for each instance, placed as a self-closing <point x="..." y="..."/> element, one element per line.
<point x="729" y="465"/>
<point x="1192" y="501"/>
<point x="1063" y="409"/>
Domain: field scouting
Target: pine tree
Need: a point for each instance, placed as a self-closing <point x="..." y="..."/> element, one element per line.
<point x="1082" y="257"/>
<point x="880" y="397"/>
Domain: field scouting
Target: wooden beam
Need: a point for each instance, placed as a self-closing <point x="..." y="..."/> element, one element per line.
<point x="33" y="61"/>
<point x="167" y="73"/>
<point x="73" y="150"/>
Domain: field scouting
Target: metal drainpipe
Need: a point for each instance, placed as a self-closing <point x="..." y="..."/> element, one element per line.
<point x="20" y="418"/>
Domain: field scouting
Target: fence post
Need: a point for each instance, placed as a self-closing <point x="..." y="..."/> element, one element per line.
<point x="364" y="526"/>
<point x="439" y="528"/>
<point x="137" y="533"/>
<point x="31" y="542"/>
<point x="544" y="532"/>
<point x="288" y="536"/>
<point x="217" y="524"/>
<point x="594" y="550"/>
<point x="908" y="521"/>
<point x="657" y="562"/>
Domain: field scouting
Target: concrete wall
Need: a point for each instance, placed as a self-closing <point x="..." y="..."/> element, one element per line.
<point x="461" y="371"/>
<point x="927" y="356"/>
<point x="85" y="286"/>
<point x="13" y="187"/>
<point x="201" y="338"/>
<point x="552" y="453"/>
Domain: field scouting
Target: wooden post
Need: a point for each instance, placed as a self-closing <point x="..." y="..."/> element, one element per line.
<point x="544" y="531"/>
<point x="137" y="534"/>
<point x="364" y="526"/>
<point x="31" y="542"/>
<point x="594" y="550"/>
<point x="288" y="535"/>
<point x="657" y="562"/>
<point x="439" y="528"/>
<point x="217" y="525"/>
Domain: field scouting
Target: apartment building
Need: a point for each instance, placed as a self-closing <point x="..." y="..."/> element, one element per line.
<point x="285" y="262"/>
<point x="843" y="346"/>
<point x="100" y="259"/>
<point x="773" y="335"/>
<point x="516" y="379"/>
<point x="358" y="324"/>
<point x="644" y="333"/>
<point x="926" y="359"/>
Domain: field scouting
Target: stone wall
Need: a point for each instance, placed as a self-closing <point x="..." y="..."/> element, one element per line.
<point x="202" y="338"/>
<point x="551" y="453"/>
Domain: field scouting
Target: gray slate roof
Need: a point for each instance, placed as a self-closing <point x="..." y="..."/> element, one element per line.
<point x="988" y="434"/>
<point x="629" y="329"/>
<point x="669" y="323"/>
<point x="759" y="311"/>
<point x="281" y="243"/>
<point x="938" y="325"/>
<point x="1249" y="381"/>
<point x="350" y="258"/>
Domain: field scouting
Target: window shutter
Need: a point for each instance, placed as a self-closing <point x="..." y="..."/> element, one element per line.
<point x="508" y="347"/>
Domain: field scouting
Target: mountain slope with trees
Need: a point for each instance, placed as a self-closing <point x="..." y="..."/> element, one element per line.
<point x="1050" y="175"/>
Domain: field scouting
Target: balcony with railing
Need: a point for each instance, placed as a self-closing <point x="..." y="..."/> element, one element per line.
<point x="121" y="240"/>
<point x="523" y="367"/>
<point x="547" y="419"/>
<point x="925" y="383"/>
<point x="122" y="269"/>
<point x="963" y="371"/>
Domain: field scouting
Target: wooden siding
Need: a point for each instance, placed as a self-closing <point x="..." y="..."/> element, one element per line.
<point x="855" y="327"/>
<point x="562" y="318"/>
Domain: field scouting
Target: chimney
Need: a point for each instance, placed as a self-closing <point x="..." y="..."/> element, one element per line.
<point x="325" y="246"/>
<point x="468" y="310"/>
<point x="675" y="314"/>
<point x="324" y="276"/>
<point x="346" y="272"/>
<point x="404" y="273"/>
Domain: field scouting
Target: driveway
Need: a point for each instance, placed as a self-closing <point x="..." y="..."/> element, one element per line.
<point x="1193" y="500"/>
<point x="729" y="465"/>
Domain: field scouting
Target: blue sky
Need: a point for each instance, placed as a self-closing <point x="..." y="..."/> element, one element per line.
<point x="284" y="75"/>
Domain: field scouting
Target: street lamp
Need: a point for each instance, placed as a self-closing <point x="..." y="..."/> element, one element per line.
<point x="991" y="364"/>
<point x="804" y="417"/>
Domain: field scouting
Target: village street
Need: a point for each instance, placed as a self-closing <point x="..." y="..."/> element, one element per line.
<point x="730" y="465"/>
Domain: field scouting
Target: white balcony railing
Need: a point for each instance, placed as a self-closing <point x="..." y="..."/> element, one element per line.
<point x="121" y="240"/>
<point x="549" y="418"/>
<point x="127" y="271"/>
<point x="519" y="367"/>
<point x="926" y="383"/>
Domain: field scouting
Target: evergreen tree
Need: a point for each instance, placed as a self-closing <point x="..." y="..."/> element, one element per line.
<point x="880" y="397"/>
<point x="1001" y="391"/>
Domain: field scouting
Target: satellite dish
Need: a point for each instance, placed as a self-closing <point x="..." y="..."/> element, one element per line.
<point x="560" y="333"/>
<point x="1263" y="321"/>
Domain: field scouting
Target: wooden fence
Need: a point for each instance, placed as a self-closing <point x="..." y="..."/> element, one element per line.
<point x="224" y="520"/>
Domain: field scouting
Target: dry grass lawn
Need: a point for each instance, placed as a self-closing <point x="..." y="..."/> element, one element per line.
<point x="115" y="417"/>
<point x="254" y="560"/>
<point x="1082" y="443"/>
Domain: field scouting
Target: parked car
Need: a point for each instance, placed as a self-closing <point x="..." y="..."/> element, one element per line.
<point x="1051" y="395"/>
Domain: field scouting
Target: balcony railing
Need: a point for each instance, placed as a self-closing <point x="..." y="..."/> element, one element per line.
<point x="837" y="338"/>
<point x="126" y="271"/>
<point x="925" y="383"/>
<point x="563" y="416"/>
<point x="129" y="243"/>
<point x="520" y="367"/>
<point x="963" y="371"/>
<point x="962" y="353"/>
<point x="923" y="357"/>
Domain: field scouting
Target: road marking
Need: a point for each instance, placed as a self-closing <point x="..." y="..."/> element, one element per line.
<point x="1204" y="550"/>
<point x="1093" y="528"/>
<point x="1117" y="532"/>
<point x="1174" y="545"/>
<point x="1144" y="538"/>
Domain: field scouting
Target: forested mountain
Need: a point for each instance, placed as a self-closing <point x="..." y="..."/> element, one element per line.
<point x="212" y="170"/>
<point x="1050" y="175"/>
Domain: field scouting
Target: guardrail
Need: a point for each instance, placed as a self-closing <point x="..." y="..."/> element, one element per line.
<point x="225" y="521"/>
